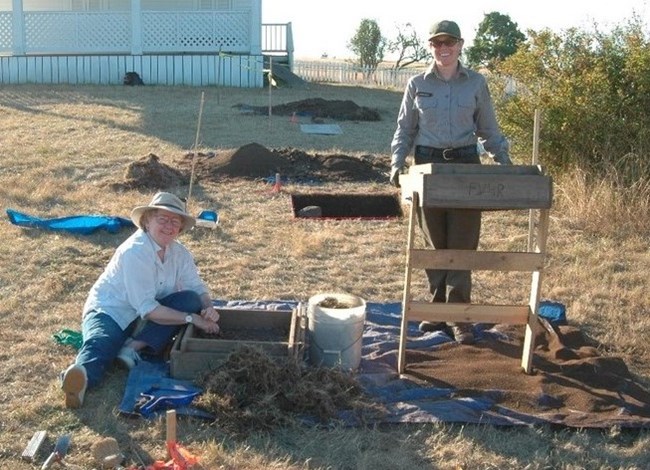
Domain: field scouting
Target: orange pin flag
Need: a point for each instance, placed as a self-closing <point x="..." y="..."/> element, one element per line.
<point x="278" y="183"/>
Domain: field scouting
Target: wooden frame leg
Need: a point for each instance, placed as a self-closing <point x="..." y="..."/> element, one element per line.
<point x="406" y="298"/>
<point x="535" y="289"/>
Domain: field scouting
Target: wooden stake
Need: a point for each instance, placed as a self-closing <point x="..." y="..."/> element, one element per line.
<point x="171" y="427"/>
<point x="196" y="145"/>
<point x="535" y="159"/>
<point x="536" y="124"/>
<point x="270" y="88"/>
<point x="219" y="59"/>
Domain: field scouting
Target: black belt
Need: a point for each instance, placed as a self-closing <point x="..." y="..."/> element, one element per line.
<point x="446" y="154"/>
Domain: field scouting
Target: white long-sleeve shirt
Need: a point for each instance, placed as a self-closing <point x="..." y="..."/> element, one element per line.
<point x="135" y="277"/>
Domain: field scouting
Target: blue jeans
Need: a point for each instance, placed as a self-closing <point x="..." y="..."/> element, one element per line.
<point x="103" y="338"/>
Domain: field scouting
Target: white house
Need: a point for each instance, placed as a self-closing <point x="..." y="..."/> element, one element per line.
<point x="167" y="42"/>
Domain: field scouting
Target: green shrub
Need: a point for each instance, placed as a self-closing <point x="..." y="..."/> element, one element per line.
<point x="593" y="93"/>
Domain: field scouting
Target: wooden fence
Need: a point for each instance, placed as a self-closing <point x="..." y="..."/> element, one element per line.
<point x="341" y="72"/>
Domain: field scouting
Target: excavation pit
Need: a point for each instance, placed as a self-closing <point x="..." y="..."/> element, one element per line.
<point x="346" y="206"/>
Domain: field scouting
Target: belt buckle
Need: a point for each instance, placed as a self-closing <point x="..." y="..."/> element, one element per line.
<point x="444" y="154"/>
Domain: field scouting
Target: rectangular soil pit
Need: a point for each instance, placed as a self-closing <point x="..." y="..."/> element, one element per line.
<point x="278" y="333"/>
<point x="346" y="206"/>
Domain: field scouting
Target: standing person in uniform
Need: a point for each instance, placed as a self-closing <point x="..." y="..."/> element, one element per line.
<point x="151" y="277"/>
<point x="444" y="112"/>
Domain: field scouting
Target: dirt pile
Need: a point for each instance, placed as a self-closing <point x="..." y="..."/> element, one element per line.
<point x="256" y="161"/>
<point x="252" y="161"/>
<point x="150" y="173"/>
<point x="318" y="108"/>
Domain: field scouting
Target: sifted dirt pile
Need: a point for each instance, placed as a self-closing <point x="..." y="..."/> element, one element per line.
<point x="571" y="381"/>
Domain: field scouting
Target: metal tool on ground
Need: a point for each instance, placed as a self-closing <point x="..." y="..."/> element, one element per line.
<point x="157" y="399"/>
<point x="59" y="452"/>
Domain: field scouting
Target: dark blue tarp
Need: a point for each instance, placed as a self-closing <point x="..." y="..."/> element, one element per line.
<point x="78" y="224"/>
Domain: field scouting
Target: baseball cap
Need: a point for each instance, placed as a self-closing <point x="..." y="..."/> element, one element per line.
<point x="445" y="28"/>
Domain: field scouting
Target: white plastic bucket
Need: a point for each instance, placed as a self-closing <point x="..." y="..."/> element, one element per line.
<point x="335" y="334"/>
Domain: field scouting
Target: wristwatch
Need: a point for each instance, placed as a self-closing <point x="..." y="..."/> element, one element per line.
<point x="188" y="319"/>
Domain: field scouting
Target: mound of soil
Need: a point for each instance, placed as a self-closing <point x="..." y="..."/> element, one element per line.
<point x="343" y="110"/>
<point x="150" y="173"/>
<point x="252" y="161"/>
<point x="256" y="161"/>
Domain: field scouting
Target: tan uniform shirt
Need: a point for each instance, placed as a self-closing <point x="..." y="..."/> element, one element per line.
<point x="447" y="114"/>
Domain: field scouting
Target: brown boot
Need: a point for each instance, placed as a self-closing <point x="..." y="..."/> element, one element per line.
<point x="462" y="332"/>
<point x="73" y="383"/>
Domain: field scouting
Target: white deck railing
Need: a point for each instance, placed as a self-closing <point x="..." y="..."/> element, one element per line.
<point x="5" y="31"/>
<point x="106" y="32"/>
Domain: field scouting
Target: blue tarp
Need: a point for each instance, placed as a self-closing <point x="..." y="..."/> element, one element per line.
<point x="405" y="400"/>
<point x="147" y="376"/>
<point x="78" y="224"/>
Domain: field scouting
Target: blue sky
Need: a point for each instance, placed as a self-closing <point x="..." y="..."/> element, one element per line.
<point x="326" y="27"/>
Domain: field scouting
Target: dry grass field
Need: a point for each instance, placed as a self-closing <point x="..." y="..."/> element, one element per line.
<point x="60" y="149"/>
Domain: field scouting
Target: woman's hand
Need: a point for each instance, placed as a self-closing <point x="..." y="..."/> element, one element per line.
<point x="209" y="326"/>
<point x="209" y="313"/>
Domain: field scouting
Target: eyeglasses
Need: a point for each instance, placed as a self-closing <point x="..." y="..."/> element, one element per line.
<point x="165" y="220"/>
<point x="444" y="42"/>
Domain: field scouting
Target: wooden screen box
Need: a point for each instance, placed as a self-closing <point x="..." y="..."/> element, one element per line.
<point x="475" y="186"/>
<point x="277" y="333"/>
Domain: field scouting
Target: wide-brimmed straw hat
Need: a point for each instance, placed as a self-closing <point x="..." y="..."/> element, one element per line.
<point x="168" y="202"/>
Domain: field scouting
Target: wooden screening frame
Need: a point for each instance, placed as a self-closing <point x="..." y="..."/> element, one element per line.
<point x="420" y="187"/>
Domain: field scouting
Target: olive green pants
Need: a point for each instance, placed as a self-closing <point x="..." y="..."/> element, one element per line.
<point x="457" y="229"/>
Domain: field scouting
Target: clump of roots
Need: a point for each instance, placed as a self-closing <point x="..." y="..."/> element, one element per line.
<point x="251" y="390"/>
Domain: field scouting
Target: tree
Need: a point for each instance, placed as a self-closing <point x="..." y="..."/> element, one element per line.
<point x="408" y="47"/>
<point x="496" y="39"/>
<point x="594" y="93"/>
<point x="368" y="44"/>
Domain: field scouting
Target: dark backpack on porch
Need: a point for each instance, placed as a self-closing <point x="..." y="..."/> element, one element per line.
<point x="132" y="78"/>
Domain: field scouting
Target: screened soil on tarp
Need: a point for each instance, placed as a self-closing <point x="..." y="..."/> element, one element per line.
<point x="570" y="382"/>
<point x="251" y="161"/>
